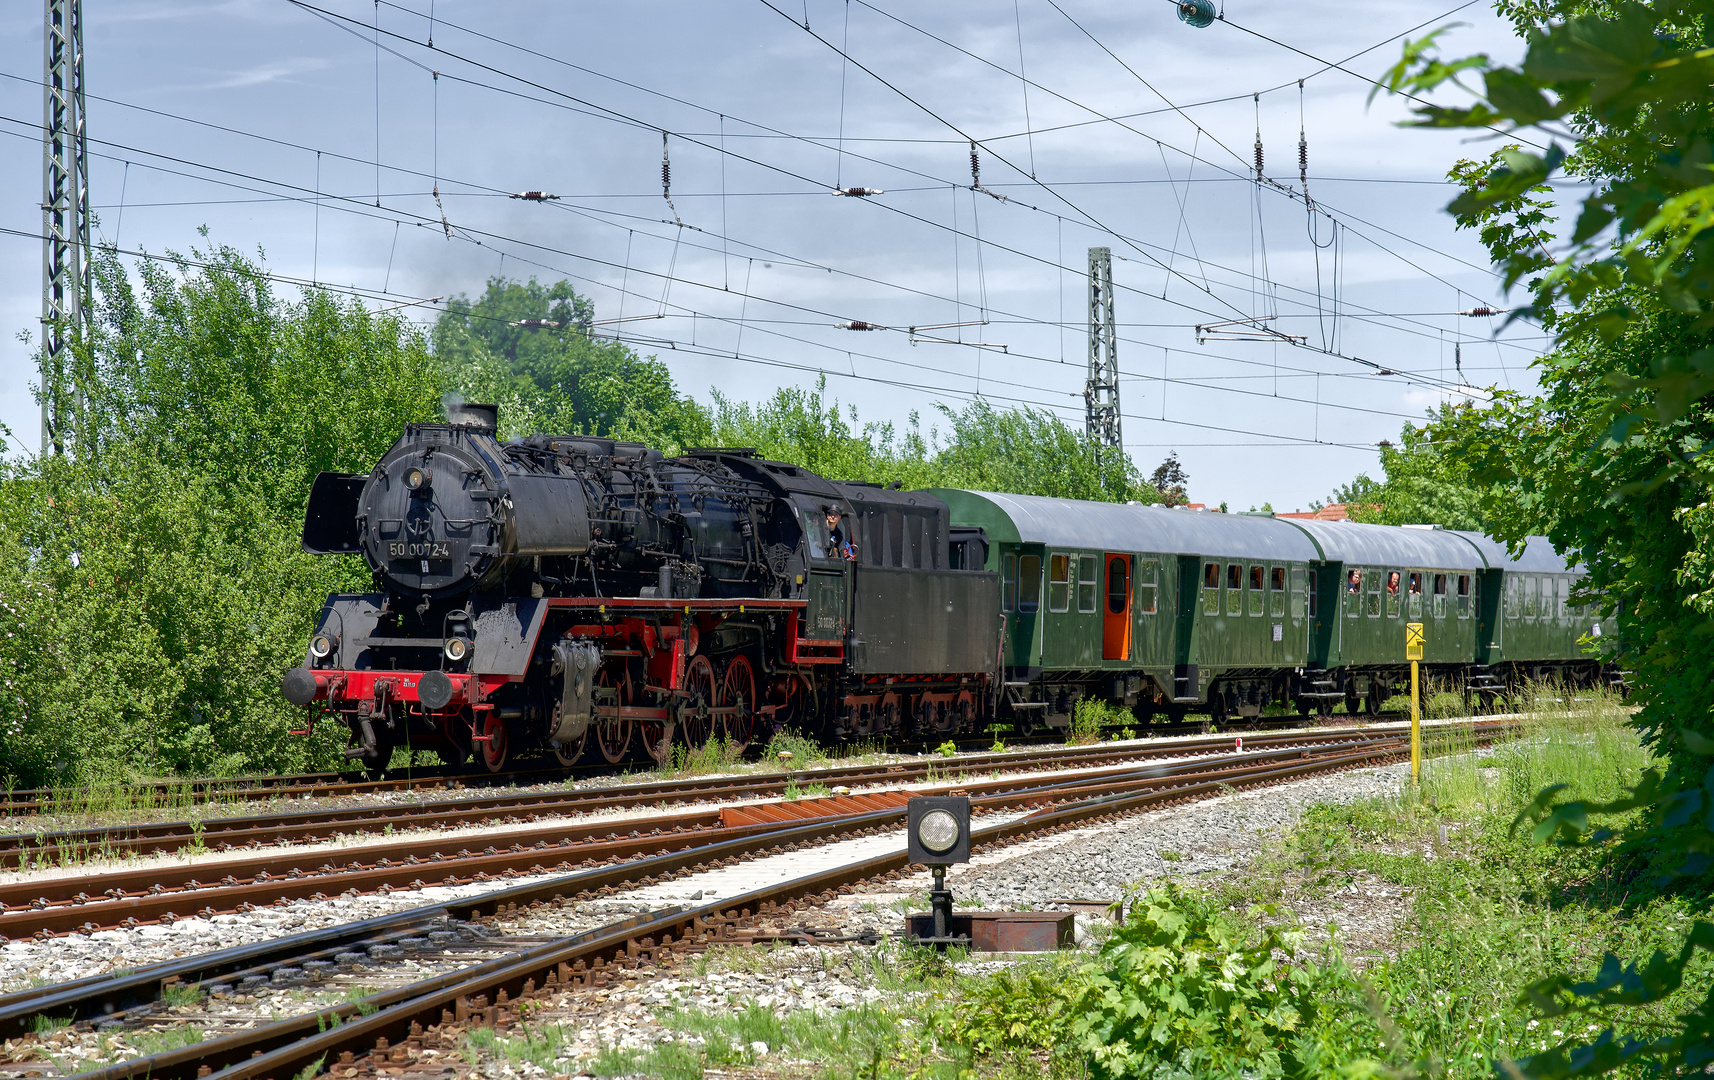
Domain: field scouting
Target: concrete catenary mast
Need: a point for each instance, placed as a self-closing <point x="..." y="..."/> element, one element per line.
<point x="1101" y="391"/>
<point x="65" y="211"/>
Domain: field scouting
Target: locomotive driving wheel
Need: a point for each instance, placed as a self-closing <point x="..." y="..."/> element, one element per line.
<point x="657" y="737"/>
<point x="696" y="721"/>
<point x="738" y="691"/>
<point x="613" y="737"/>
<point x="568" y="753"/>
<point x="492" y="751"/>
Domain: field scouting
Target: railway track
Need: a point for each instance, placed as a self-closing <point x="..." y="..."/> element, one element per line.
<point x="83" y="903"/>
<point x="29" y="802"/>
<point x="324" y="823"/>
<point x="402" y="1025"/>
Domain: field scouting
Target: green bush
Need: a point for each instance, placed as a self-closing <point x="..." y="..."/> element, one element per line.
<point x="1178" y="990"/>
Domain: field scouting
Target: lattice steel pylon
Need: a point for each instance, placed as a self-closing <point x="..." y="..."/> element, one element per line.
<point x="65" y="211"/>
<point x="1101" y="391"/>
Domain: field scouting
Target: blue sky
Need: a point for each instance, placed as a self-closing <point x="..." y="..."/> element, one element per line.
<point x="300" y="131"/>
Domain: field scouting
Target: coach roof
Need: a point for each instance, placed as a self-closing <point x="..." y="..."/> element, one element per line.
<point x="1074" y="523"/>
<point x="1390" y="545"/>
<point x="1538" y="556"/>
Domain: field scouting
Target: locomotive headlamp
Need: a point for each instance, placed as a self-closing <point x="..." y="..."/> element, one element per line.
<point x="417" y="479"/>
<point x="322" y="645"/>
<point x="457" y="648"/>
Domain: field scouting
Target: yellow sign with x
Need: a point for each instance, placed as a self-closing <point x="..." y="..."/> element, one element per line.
<point x="1413" y="641"/>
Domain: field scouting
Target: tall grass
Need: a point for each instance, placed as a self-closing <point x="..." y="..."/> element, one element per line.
<point x="1581" y="740"/>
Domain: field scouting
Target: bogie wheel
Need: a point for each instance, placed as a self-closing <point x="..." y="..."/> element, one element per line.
<point x="613" y="737"/>
<point x="739" y="692"/>
<point x="1304" y="706"/>
<point x="704" y="693"/>
<point x="1372" y="703"/>
<point x="492" y="751"/>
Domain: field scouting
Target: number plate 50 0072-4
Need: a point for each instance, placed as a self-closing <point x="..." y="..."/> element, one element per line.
<point x="433" y="550"/>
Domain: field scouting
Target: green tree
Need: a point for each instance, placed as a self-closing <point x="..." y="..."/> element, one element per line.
<point x="154" y="587"/>
<point x="1171" y="481"/>
<point x="1610" y="460"/>
<point x="1033" y="452"/>
<point x="1420" y="485"/>
<point x="527" y="348"/>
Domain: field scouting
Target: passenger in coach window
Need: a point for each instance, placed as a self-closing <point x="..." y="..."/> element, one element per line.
<point x="1393" y="583"/>
<point x="1354" y="582"/>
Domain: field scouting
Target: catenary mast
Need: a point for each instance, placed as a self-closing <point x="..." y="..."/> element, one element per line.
<point x="1101" y="390"/>
<point x="65" y="211"/>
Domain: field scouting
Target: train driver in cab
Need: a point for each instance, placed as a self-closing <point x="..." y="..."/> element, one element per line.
<point x="838" y="546"/>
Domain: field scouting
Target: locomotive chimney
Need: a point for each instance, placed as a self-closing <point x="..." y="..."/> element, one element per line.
<point x="485" y="418"/>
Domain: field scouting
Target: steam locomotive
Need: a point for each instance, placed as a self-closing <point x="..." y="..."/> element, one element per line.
<point x="591" y="597"/>
<point x="587" y="596"/>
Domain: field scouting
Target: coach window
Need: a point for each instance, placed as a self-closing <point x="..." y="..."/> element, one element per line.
<point x="1353" y="593"/>
<point x="1299" y="594"/>
<point x="1514" y="596"/>
<point x="1086" y="583"/>
<point x="1372" y="591"/>
<point x="1440" y="596"/>
<point x="1564" y="599"/>
<point x="1009" y="582"/>
<point x="1276" y="591"/>
<point x="1463" y="596"/>
<point x="1234" y="589"/>
<point x="1258" y="590"/>
<point x="1059" y="583"/>
<point x="1148" y="583"/>
<point x="1395" y="592"/>
<point x="1416" y="594"/>
<point x="1531" y="588"/>
<point x="1029" y="582"/>
<point x="1211" y="588"/>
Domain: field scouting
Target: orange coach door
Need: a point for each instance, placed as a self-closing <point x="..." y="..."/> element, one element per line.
<point x="1116" y="612"/>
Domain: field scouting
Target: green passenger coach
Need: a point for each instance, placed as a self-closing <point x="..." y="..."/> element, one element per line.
<point x="1172" y="611"/>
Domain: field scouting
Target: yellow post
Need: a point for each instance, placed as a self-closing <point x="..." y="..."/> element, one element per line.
<point x="1413" y="652"/>
<point x="1415" y="728"/>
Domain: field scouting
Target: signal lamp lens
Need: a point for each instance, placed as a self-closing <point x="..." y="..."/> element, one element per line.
<point x="938" y="831"/>
<point x="457" y="648"/>
<point x="321" y="646"/>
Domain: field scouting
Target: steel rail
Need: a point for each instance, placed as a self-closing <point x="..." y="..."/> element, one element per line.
<point x="25" y="802"/>
<point x="62" y="905"/>
<point x="322" y="823"/>
<point x="400" y="1020"/>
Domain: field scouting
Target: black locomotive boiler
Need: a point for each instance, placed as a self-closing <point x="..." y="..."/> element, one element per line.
<point x="594" y="597"/>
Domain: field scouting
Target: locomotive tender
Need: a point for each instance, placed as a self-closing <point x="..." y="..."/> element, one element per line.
<point x="589" y="596"/>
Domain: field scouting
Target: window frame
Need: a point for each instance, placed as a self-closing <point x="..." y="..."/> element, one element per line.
<point x="1312" y="602"/>
<point x="1033" y="579"/>
<point x="1257" y="589"/>
<point x="1465" y="592"/>
<point x="1058" y="587"/>
<point x="1532" y="591"/>
<point x="1210" y="588"/>
<point x="1235" y="589"/>
<point x="1276" y="592"/>
<point x="1148" y="586"/>
<point x="1009" y="581"/>
<point x="1372" y="591"/>
<point x="1086" y="585"/>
